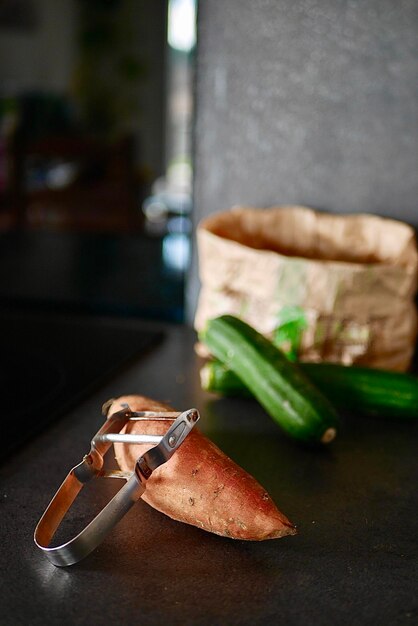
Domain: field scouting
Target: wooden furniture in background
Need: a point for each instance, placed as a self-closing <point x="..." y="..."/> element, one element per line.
<point x="104" y="194"/>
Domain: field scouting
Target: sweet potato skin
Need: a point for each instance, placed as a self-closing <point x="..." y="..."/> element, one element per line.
<point x="200" y="485"/>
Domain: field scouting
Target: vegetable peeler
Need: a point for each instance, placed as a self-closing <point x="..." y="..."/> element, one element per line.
<point x="91" y="467"/>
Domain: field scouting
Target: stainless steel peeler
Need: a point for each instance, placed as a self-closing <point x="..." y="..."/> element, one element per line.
<point x="92" y="467"/>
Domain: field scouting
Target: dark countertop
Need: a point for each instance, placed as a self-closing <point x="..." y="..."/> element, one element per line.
<point x="354" y="560"/>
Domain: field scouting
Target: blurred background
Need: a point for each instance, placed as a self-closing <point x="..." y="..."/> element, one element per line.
<point x="119" y="134"/>
<point x="96" y="111"/>
<point x="311" y="102"/>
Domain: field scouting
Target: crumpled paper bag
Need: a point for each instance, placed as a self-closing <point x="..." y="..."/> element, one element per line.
<point x="350" y="278"/>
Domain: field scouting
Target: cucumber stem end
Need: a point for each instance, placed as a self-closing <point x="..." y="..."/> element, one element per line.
<point x="328" y="435"/>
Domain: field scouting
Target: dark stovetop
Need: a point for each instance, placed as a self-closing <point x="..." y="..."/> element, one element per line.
<point x="51" y="362"/>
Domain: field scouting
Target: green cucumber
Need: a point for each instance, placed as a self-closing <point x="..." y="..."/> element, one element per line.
<point x="370" y="391"/>
<point x="279" y="385"/>
<point x="366" y="390"/>
<point x="217" y="378"/>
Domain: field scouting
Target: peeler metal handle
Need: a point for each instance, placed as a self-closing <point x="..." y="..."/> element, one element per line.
<point x="91" y="467"/>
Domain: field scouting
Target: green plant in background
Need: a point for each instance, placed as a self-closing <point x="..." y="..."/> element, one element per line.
<point x="288" y="333"/>
<point x="109" y="74"/>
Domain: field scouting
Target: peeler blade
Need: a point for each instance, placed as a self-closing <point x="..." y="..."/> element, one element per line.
<point x="91" y="467"/>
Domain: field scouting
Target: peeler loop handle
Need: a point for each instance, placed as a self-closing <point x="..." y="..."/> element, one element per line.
<point x="92" y="467"/>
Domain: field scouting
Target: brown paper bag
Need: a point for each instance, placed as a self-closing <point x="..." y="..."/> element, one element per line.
<point x="353" y="277"/>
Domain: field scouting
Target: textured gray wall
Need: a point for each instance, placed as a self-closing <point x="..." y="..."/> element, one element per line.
<point x="307" y="101"/>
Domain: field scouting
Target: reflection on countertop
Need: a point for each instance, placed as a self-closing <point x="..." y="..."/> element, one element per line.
<point x="138" y="275"/>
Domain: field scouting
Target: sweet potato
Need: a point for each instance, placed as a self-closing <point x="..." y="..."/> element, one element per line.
<point x="200" y="485"/>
